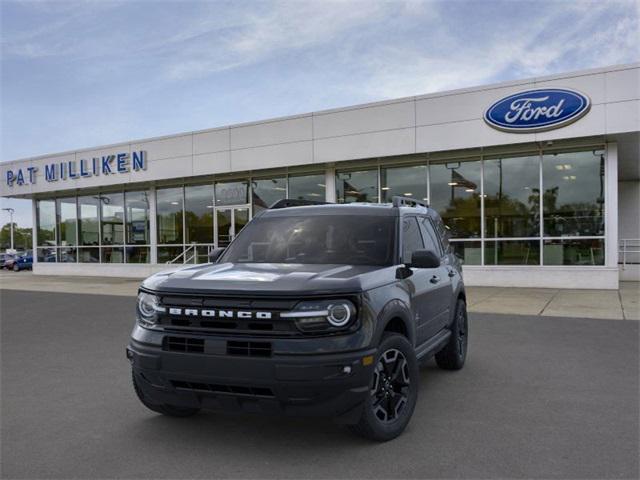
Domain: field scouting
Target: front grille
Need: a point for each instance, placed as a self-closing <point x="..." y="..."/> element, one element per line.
<point x="249" y="349"/>
<point x="183" y="344"/>
<point x="228" y="389"/>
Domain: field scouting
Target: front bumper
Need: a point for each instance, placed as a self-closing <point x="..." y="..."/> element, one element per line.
<point x="321" y="384"/>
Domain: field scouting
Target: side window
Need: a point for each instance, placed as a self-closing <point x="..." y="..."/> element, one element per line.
<point x="443" y="233"/>
<point x="431" y="241"/>
<point x="411" y="238"/>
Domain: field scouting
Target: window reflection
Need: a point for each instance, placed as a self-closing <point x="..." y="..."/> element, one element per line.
<point x="404" y="181"/>
<point x="88" y="227"/>
<point x="361" y="186"/>
<point x="470" y="253"/>
<point x="67" y="213"/>
<point x="574" y="252"/>
<point x="512" y="252"/>
<point x="112" y="218"/>
<point x="169" y="206"/>
<point x="512" y="197"/>
<point x="307" y="187"/>
<point x="573" y="198"/>
<point x="455" y="195"/>
<point x="46" y="218"/>
<point x="267" y="191"/>
<point x="137" y="218"/>
<point x="232" y="193"/>
<point x="198" y="213"/>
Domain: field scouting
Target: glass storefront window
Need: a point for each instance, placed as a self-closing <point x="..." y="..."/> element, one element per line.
<point x="404" y="181"/>
<point x="137" y="254"/>
<point x="169" y="207"/>
<point x="512" y="197"/>
<point x="167" y="254"/>
<point x="137" y="218"/>
<point x="307" y="187"/>
<point x="198" y="213"/>
<point x="470" y="253"/>
<point x="512" y="252"/>
<point x="47" y="254"/>
<point x="89" y="255"/>
<point x="455" y="195"/>
<point x="573" y="252"/>
<point x="67" y="220"/>
<point x="67" y="254"/>
<point x="267" y="191"/>
<point x="88" y="226"/>
<point x="573" y="198"/>
<point x="360" y="186"/>
<point x="232" y="193"/>
<point x="112" y="255"/>
<point x="112" y="218"/>
<point x="46" y="217"/>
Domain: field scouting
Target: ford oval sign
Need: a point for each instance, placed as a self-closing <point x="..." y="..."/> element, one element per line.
<point x="537" y="110"/>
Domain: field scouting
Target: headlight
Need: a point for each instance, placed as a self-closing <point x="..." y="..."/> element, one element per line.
<point x="323" y="315"/>
<point x="148" y="307"/>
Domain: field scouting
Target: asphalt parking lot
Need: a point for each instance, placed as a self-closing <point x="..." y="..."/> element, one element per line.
<point x="540" y="397"/>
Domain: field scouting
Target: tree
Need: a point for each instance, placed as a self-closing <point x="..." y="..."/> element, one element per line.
<point x="21" y="237"/>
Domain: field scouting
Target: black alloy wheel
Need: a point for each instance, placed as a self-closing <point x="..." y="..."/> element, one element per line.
<point x="390" y="389"/>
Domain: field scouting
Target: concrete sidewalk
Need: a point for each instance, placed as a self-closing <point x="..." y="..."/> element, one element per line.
<point x="623" y="304"/>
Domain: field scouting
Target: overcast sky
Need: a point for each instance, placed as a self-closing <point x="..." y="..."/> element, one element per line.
<point x="81" y="74"/>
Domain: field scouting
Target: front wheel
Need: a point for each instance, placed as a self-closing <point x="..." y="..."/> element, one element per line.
<point x="169" y="410"/>
<point x="16" y="268"/>
<point x="393" y="391"/>
<point x="454" y="353"/>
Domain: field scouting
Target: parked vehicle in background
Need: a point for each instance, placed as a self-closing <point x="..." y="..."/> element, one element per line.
<point x="23" y="262"/>
<point x="7" y="261"/>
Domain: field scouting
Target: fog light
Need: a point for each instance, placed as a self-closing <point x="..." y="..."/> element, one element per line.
<point x="368" y="360"/>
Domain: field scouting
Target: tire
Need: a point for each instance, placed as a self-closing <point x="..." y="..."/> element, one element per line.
<point x="454" y="353"/>
<point x="393" y="391"/>
<point x="169" y="410"/>
<point x="16" y="268"/>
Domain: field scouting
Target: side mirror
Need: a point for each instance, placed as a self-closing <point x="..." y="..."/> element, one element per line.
<point x="215" y="254"/>
<point x="424" y="259"/>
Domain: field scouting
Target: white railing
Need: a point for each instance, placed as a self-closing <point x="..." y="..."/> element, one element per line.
<point x="629" y="251"/>
<point x="188" y="255"/>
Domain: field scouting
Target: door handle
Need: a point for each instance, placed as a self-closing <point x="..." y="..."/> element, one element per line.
<point x="435" y="279"/>
<point x="452" y="272"/>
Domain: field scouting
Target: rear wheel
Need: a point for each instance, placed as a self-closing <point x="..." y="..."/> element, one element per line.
<point x="454" y="353"/>
<point x="393" y="391"/>
<point x="16" y="268"/>
<point x="169" y="410"/>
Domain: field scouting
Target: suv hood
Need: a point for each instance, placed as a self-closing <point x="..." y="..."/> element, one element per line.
<point x="271" y="278"/>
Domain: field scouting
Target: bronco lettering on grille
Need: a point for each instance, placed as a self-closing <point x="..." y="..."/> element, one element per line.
<point x="193" y="312"/>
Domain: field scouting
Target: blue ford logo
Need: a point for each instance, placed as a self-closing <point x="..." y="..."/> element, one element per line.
<point x="537" y="110"/>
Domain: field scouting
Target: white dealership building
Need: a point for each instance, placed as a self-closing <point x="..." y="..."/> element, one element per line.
<point x="537" y="180"/>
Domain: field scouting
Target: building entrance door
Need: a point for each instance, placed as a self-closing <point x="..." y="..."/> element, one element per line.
<point x="229" y="222"/>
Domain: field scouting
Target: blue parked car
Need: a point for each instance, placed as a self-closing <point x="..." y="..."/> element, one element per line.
<point x="23" y="262"/>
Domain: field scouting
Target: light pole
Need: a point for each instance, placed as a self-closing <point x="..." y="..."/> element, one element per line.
<point x="11" y="212"/>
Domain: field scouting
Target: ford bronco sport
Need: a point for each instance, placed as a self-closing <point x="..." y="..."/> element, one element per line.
<point x="314" y="309"/>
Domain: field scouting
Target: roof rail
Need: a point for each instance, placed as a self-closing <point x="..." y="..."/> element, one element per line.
<point x="399" y="201"/>
<point x="292" y="202"/>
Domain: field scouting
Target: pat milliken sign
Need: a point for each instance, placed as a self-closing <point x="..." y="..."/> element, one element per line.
<point x="537" y="110"/>
<point x="105" y="165"/>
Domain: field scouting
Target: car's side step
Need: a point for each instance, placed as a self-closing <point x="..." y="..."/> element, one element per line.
<point x="434" y="344"/>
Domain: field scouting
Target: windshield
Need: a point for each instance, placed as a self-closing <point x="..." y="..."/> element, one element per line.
<point x="329" y="239"/>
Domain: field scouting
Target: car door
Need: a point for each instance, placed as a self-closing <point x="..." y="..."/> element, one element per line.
<point x="441" y="294"/>
<point x="420" y="286"/>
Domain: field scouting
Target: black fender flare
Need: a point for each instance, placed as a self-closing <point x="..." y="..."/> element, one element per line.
<point x="395" y="309"/>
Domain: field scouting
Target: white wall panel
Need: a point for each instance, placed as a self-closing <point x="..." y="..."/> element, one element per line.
<point x="623" y="85"/>
<point x="623" y="116"/>
<point x="361" y="120"/>
<point x="593" y="123"/>
<point x="166" y="169"/>
<point x="378" y="144"/>
<point x="592" y="85"/>
<point x="166" y="147"/>
<point x="209" y="163"/>
<point x="286" y="154"/>
<point x="212" y="141"/>
<point x="271" y="133"/>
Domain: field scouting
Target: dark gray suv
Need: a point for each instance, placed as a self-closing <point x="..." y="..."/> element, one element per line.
<point x="314" y="309"/>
